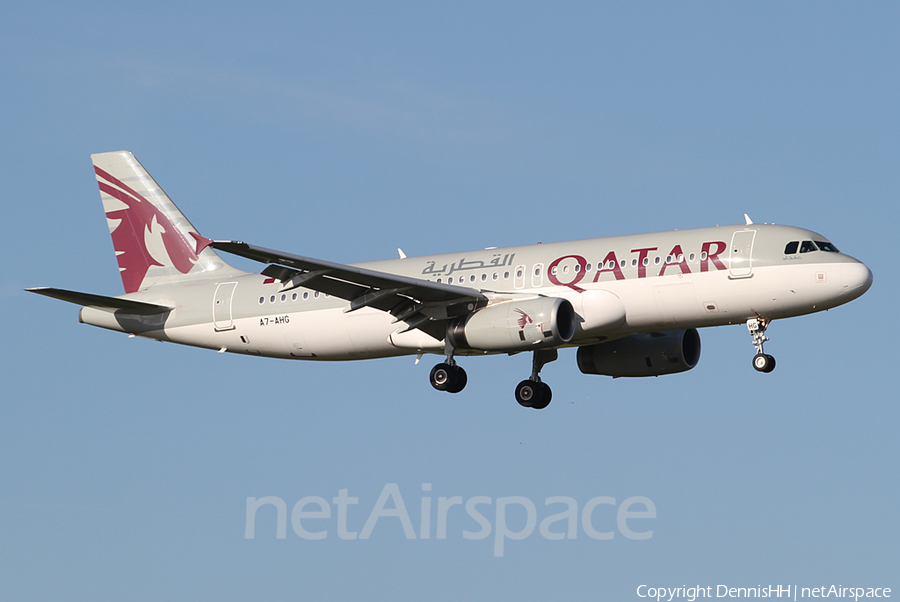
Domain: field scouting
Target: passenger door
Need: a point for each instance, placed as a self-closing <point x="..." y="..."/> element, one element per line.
<point x="741" y="263"/>
<point x="222" y="319"/>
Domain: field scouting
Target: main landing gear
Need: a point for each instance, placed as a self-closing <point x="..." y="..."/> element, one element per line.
<point x="532" y="393"/>
<point x="448" y="376"/>
<point x="761" y="361"/>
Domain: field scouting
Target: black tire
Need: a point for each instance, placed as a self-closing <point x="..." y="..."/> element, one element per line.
<point x="546" y="396"/>
<point x="441" y="376"/>
<point x="458" y="379"/>
<point x="529" y="392"/>
<point x="763" y="362"/>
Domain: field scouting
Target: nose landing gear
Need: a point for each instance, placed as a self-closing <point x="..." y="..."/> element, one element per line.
<point x="762" y="362"/>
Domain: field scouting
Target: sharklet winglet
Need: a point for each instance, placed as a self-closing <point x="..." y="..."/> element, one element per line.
<point x="202" y="241"/>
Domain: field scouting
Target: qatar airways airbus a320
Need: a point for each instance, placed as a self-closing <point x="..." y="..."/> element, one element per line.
<point x="630" y="304"/>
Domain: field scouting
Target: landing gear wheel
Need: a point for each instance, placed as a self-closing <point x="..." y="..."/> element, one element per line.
<point x="533" y="394"/>
<point x="441" y="376"/>
<point x="546" y="396"/>
<point x="445" y="377"/>
<point x="526" y="392"/>
<point x="458" y="380"/>
<point x="763" y="362"/>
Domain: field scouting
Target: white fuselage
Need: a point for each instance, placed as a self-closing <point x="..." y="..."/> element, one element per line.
<point x="661" y="281"/>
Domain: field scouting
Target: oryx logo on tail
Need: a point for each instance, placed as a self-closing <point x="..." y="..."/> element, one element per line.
<point x="144" y="236"/>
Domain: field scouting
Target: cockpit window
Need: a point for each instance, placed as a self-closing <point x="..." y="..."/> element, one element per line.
<point x="807" y="246"/>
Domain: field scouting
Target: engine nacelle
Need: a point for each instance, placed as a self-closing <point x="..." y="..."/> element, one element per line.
<point x="651" y="354"/>
<point x="516" y="326"/>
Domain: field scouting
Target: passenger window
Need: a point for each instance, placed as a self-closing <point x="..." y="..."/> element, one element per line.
<point x="826" y="246"/>
<point x="808" y="246"/>
<point x="791" y="247"/>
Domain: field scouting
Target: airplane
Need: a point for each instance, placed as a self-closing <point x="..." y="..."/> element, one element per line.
<point x="630" y="304"/>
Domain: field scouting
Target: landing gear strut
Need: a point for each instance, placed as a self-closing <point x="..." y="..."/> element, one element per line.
<point x="761" y="361"/>
<point x="532" y="393"/>
<point x="448" y="376"/>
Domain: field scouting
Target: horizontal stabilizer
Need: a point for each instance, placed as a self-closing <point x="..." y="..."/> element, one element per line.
<point x="99" y="301"/>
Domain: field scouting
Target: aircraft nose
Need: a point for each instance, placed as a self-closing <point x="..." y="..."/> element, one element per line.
<point x="856" y="277"/>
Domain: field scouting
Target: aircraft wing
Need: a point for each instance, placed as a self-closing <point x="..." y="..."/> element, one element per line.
<point x="414" y="300"/>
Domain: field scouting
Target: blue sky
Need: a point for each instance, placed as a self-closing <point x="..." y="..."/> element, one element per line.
<point x="348" y="130"/>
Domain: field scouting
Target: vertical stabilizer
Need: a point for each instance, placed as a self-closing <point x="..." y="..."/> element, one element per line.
<point x="154" y="243"/>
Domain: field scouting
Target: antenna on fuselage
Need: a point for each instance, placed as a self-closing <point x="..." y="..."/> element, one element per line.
<point x="747" y="219"/>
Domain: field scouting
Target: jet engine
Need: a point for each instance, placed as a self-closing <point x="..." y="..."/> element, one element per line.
<point x="649" y="354"/>
<point x="516" y="326"/>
